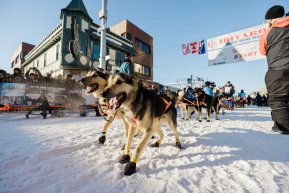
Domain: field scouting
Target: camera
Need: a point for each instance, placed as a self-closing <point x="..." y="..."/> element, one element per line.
<point x="34" y="68"/>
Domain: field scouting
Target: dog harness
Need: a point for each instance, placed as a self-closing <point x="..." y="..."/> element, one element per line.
<point x="134" y="118"/>
<point x="191" y="103"/>
<point x="203" y="100"/>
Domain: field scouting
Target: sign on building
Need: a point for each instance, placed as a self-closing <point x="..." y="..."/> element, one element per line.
<point x="235" y="47"/>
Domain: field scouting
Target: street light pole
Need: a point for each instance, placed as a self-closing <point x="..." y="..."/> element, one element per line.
<point x="103" y="17"/>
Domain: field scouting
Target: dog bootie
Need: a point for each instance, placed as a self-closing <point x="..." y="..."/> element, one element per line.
<point x="183" y="118"/>
<point x="123" y="147"/>
<point x="136" y="135"/>
<point x="178" y="145"/>
<point x="223" y="113"/>
<point x="157" y="144"/>
<point x="187" y="119"/>
<point x="200" y="120"/>
<point x="124" y="159"/>
<point x="208" y="120"/>
<point x="102" y="138"/>
<point x="130" y="168"/>
<point x="217" y="118"/>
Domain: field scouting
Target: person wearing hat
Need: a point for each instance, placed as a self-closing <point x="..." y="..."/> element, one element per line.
<point x="208" y="89"/>
<point x="126" y="66"/>
<point x="274" y="43"/>
<point x="189" y="93"/>
<point x="228" y="90"/>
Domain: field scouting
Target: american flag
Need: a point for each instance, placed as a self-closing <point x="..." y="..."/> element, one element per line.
<point x="185" y="48"/>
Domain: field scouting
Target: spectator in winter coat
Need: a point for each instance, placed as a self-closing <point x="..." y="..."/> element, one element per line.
<point x="274" y="44"/>
<point x="154" y="89"/>
<point x="259" y="100"/>
<point x="208" y="89"/>
<point x="249" y="100"/>
<point x="2" y="75"/>
<point x="69" y="80"/>
<point x="33" y="77"/>
<point x="127" y="66"/>
<point x="228" y="90"/>
<point x="189" y="93"/>
<point x="242" y="96"/>
<point x="17" y="76"/>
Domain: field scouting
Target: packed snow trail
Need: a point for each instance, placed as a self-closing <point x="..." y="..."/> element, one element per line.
<point x="238" y="153"/>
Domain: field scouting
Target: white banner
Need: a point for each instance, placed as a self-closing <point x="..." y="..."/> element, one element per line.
<point x="195" y="84"/>
<point x="236" y="38"/>
<point x="233" y="54"/>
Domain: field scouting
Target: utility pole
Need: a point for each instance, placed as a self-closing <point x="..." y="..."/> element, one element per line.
<point x="103" y="17"/>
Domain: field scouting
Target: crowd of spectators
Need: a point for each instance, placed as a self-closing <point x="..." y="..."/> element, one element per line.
<point x="34" y="76"/>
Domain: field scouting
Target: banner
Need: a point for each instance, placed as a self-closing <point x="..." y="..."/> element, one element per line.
<point x="240" y="53"/>
<point x="195" y="84"/>
<point x="237" y="38"/>
<point x="12" y="93"/>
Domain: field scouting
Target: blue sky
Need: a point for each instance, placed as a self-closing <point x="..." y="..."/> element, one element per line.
<point x="169" y="22"/>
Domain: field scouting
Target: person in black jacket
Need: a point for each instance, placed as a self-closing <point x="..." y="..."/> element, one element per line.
<point x="249" y="100"/>
<point x="259" y="100"/>
<point x="2" y="75"/>
<point x="17" y="76"/>
<point x="274" y="44"/>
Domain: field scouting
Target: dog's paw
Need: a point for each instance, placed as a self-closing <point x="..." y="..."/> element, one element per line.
<point x="200" y="120"/>
<point x="178" y="145"/>
<point x="123" y="147"/>
<point x="155" y="145"/>
<point x="130" y="168"/>
<point x="217" y="118"/>
<point x="223" y="113"/>
<point x="136" y="135"/>
<point x="187" y="119"/>
<point x="102" y="139"/>
<point x="124" y="159"/>
<point x="208" y="120"/>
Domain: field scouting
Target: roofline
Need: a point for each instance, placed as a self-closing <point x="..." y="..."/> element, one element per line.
<point x="43" y="40"/>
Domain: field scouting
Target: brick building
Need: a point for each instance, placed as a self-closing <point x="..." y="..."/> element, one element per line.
<point x="143" y="44"/>
<point x="17" y="58"/>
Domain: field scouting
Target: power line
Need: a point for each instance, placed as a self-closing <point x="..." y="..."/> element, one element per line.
<point x="181" y="74"/>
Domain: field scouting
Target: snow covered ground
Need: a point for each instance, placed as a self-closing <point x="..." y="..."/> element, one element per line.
<point x="238" y="153"/>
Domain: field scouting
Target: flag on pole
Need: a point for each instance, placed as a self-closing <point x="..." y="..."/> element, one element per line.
<point x="201" y="46"/>
<point x="185" y="48"/>
<point x="194" y="47"/>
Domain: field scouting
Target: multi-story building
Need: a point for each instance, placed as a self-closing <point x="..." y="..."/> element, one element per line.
<point x="17" y="58"/>
<point x="143" y="44"/>
<point x="53" y="52"/>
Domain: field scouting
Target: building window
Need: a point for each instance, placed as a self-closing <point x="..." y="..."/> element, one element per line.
<point x="84" y="45"/>
<point x="33" y="65"/>
<point x="17" y="60"/>
<point x="23" y="54"/>
<point x="57" y="52"/>
<point x="68" y="39"/>
<point x="44" y="59"/>
<point x="96" y="52"/>
<point x="119" y="58"/>
<point x="37" y="63"/>
<point x="126" y="36"/>
<point x="146" y="70"/>
<point x="141" y="69"/>
<point x="12" y="65"/>
<point x="142" y="46"/>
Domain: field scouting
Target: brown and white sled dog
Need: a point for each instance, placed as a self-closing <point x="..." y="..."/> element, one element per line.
<point x="94" y="83"/>
<point x="143" y="109"/>
<point x="186" y="104"/>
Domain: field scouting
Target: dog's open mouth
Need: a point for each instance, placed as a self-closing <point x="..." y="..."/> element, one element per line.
<point x="115" y="102"/>
<point x="91" y="88"/>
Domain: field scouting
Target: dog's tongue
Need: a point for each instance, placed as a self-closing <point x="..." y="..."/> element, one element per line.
<point x="114" y="102"/>
<point x="88" y="88"/>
